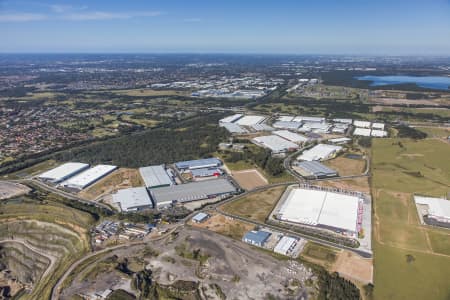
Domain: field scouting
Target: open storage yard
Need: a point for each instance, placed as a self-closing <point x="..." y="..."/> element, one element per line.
<point x="249" y="179"/>
<point x="406" y="253"/>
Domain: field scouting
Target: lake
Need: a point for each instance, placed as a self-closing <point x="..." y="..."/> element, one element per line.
<point x="430" y="82"/>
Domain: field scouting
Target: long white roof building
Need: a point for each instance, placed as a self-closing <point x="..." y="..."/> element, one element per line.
<point x="438" y="208"/>
<point x="275" y="143"/>
<point x="317" y="207"/>
<point x="63" y="171"/>
<point x="320" y="152"/>
<point x="250" y="120"/>
<point x="291" y="136"/>
<point x="88" y="177"/>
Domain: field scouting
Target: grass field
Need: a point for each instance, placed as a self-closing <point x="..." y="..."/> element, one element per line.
<point x="346" y="166"/>
<point x="319" y="254"/>
<point x="256" y="206"/>
<point x="411" y="261"/>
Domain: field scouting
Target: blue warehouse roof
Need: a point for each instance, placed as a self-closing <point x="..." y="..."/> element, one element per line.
<point x="258" y="237"/>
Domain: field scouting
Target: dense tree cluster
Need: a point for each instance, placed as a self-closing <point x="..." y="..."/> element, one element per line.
<point x="334" y="287"/>
<point x="261" y="157"/>
<point x="188" y="139"/>
<point x="410" y="132"/>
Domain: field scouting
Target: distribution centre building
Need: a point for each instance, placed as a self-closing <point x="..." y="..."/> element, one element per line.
<point x="63" y="172"/>
<point x="88" y="177"/>
<point x="291" y="136"/>
<point x="256" y="238"/>
<point x="198" y="164"/>
<point x="230" y="119"/>
<point x="320" y="152"/>
<point x="155" y="176"/>
<point x="436" y="208"/>
<point x="133" y="199"/>
<point x="275" y="143"/>
<point x="250" y="120"/>
<point x="337" y="212"/>
<point x="285" y="245"/>
<point x="192" y="191"/>
<point x="314" y="170"/>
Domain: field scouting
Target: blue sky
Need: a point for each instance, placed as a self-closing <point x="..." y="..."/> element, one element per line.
<point x="228" y="26"/>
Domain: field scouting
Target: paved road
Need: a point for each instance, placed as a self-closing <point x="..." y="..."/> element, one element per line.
<point x="65" y="194"/>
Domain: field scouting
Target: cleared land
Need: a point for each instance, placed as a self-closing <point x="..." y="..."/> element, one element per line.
<point x="217" y="267"/>
<point x="256" y="206"/>
<point x="249" y="179"/>
<point x="120" y="179"/>
<point x="354" y="267"/>
<point x="319" y="254"/>
<point x="10" y="189"/>
<point x="346" y="166"/>
<point x="439" y="132"/>
<point x="411" y="261"/>
<point x="225" y="226"/>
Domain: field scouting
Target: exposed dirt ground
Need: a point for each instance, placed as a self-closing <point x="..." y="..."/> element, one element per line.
<point x="249" y="179"/>
<point x="238" y="269"/>
<point x="354" y="267"/>
<point x="10" y="189"/>
<point x="225" y="225"/>
<point x="120" y="179"/>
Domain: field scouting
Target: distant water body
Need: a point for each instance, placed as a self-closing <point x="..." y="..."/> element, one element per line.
<point x="430" y="82"/>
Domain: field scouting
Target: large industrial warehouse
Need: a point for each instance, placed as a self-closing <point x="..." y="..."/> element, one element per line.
<point x="338" y="212"/>
<point x="250" y="120"/>
<point x="133" y="199"/>
<point x="320" y="152"/>
<point x="291" y="136"/>
<point x="63" y="172"/>
<point x="435" y="208"/>
<point x="198" y="164"/>
<point x="275" y="143"/>
<point x="155" y="176"/>
<point x="314" y="170"/>
<point x="88" y="177"/>
<point x="191" y="191"/>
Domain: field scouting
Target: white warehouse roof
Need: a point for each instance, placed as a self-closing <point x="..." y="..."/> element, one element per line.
<point x="63" y="171"/>
<point x="133" y="199"/>
<point x="291" y="136"/>
<point x="319" y="152"/>
<point x="437" y="207"/>
<point x="250" y="120"/>
<point x="378" y="133"/>
<point x="362" y="124"/>
<point x="316" y="207"/>
<point x="284" y="245"/>
<point x="275" y="143"/>
<point x="362" y="132"/>
<point x="231" y="119"/>
<point x="285" y="118"/>
<point x="379" y="126"/>
<point x="89" y="176"/>
<point x="155" y="176"/>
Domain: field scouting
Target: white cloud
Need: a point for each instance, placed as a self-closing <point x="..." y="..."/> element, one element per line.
<point x="60" y="8"/>
<point x="99" y="15"/>
<point x="22" y="17"/>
